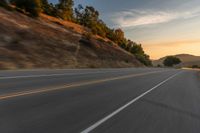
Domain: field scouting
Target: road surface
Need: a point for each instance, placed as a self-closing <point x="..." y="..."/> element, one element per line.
<point x="143" y="100"/>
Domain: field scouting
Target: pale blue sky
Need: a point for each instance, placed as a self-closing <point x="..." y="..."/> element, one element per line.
<point x="164" y="27"/>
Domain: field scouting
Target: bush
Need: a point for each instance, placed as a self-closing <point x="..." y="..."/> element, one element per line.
<point x="144" y="59"/>
<point x="110" y="43"/>
<point x="65" y="9"/>
<point x="86" y="39"/>
<point x="87" y="35"/>
<point x="4" y="4"/>
<point x="101" y="40"/>
<point x="127" y="61"/>
<point x="170" y="61"/>
<point x="195" y="66"/>
<point x="159" y="65"/>
<point x="31" y="6"/>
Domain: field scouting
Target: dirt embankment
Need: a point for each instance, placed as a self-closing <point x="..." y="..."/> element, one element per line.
<point x="48" y="42"/>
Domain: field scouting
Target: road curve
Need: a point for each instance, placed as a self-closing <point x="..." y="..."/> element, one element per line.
<point x="100" y="101"/>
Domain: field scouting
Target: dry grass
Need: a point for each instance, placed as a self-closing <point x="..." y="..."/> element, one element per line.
<point x="52" y="43"/>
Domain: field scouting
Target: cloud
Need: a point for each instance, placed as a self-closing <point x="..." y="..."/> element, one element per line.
<point x="133" y="18"/>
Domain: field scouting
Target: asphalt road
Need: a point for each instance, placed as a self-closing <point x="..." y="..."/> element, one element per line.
<point x="144" y="100"/>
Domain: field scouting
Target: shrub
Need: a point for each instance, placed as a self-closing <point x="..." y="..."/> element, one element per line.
<point x="110" y="43"/>
<point x="3" y="3"/>
<point x="65" y="9"/>
<point x="195" y="66"/>
<point x="101" y="40"/>
<point x="159" y="65"/>
<point x="144" y="59"/>
<point x="31" y="6"/>
<point x="170" y="61"/>
<point x="87" y="35"/>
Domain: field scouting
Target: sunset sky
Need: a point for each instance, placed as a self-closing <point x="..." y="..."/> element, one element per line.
<point x="163" y="27"/>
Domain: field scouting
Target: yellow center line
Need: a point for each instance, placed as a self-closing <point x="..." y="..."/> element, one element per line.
<point x="42" y="90"/>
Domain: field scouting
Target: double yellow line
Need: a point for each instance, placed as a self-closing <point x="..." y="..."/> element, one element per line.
<point x="84" y="83"/>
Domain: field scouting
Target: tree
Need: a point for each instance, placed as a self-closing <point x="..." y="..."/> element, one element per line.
<point x="195" y="66"/>
<point x="144" y="59"/>
<point x="110" y="34"/>
<point x="31" y="6"/>
<point x="65" y="9"/>
<point x="89" y="17"/>
<point x="3" y="3"/>
<point x="119" y="35"/>
<point x="170" y="61"/>
<point x="137" y="50"/>
<point x="45" y="6"/>
<point x="49" y="8"/>
<point x="79" y="13"/>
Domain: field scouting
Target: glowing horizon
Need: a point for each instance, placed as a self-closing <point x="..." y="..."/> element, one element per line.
<point x="173" y="48"/>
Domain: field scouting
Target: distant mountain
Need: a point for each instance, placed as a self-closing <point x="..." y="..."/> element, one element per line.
<point x="187" y="60"/>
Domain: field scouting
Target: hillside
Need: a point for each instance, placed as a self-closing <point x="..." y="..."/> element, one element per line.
<point x="187" y="60"/>
<point x="48" y="42"/>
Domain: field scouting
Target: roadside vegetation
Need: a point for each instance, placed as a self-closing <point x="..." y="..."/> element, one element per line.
<point x="4" y="3"/>
<point x="170" y="61"/>
<point x="86" y="16"/>
<point x="195" y="66"/>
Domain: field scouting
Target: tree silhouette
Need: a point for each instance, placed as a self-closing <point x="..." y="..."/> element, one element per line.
<point x="170" y="61"/>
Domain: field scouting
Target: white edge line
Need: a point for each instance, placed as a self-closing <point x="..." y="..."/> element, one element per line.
<point x="98" y="123"/>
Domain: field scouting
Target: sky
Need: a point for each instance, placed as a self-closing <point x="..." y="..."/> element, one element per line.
<point x="163" y="27"/>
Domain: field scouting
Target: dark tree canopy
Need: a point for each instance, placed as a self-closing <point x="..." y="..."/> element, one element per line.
<point x="195" y="66"/>
<point x="31" y="6"/>
<point x="170" y="61"/>
<point x="45" y="6"/>
<point x="3" y="3"/>
<point x="49" y="8"/>
<point x="65" y="9"/>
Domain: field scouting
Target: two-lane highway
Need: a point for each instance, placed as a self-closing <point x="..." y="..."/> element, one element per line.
<point x="105" y="100"/>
